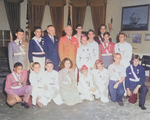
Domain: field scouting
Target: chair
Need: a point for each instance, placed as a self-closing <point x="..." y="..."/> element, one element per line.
<point x="145" y="62"/>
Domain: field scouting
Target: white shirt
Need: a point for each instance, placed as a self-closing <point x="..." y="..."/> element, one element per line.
<point x="84" y="56"/>
<point x="95" y="50"/>
<point x="125" y="49"/>
<point x="116" y="72"/>
<point x="39" y="40"/>
<point x="79" y="39"/>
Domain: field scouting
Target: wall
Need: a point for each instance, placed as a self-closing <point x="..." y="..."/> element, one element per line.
<point x="114" y="8"/>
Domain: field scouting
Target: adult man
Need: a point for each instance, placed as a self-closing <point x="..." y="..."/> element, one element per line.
<point x="100" y="38"/>
<point x="18" y="51"/>
<point x="134" y="81"/>
<point x="68" y="46"/>
<point x="51" y="46"/>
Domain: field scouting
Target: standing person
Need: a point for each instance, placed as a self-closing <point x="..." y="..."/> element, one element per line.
<point x="106" y="50"/>
<point x="84" y="54"/>
<point x="36" y="48"/>
<point x="79" y="33"/>
<point x="18" y="51"/>
<point x="86" y="86"/>
<point x="101" y="80"/>
<point x="100" y="37"/>
<point x="125" y="49"/>
<point x="68" y="84"/>
<point x="16" y="86"/>
<point x="116" y="72"/>
<point x="68" y="46"/>
<point x="51" y="46"/>
<point x="134" y="82"/>
<point x="94" y="45"/>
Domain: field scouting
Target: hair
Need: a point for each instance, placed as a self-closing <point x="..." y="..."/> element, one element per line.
<point x="95" y="65"/>
<point x="117" y="54"/>
<point x="136" y="57"/>
<point x="67" y="26"/>
<point x="19" y="30"/>
<point x="103" y="25"/>
<point x="37" y="27"/>
<point x="62" y="64"/>
<point x="107" y="33"/>
<point x="90" y="31"/>
<point x="17" y="64"/>
<point x="99" y="32"/>
<point x="35" y="63"/>
<point x="83" y="35"/>
<point x="50" y="26"/>
<point x="79" y="25"/>
<point x="122" y="33"/>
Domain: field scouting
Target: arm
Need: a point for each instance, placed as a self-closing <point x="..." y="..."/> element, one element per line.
<point x="78" y="58"/>
<point x="30" y="52"/>
<point x="97" y="50"/>
<point x="61" y="49"/>
<point x="100" y="51"/>
<point x="10" y="56"/>
<point x="28" y="63"/>
<point x="45" y="49"/>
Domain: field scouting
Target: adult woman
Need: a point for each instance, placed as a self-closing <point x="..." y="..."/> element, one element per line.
<point x="68" y="84"/>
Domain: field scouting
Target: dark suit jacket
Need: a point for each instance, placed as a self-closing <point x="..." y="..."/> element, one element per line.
<point x="51" y="49"/>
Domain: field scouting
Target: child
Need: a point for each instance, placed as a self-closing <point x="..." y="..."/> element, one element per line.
<point x="85" y="85"/>
<point x="135" y="80"/>
<point x="101" y="80"/>
<point x="116" y="72"/>
<point x="106" y="50"/>
<point x="18" y="51"/>
<point x="16" y="86"/>
<point x="94" y="45"/>
<point x="38" y="87"/>
<point x="68" y="84"/>
<point x="50" y="80"/>
<point x="36" y="51"/>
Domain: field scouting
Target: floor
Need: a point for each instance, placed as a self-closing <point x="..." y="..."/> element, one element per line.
<point x="87" y="110"/>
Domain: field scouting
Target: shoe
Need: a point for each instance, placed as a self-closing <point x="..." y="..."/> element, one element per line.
<point x="142" y="107"/>
<point x="33" y="106"/>
<point x="10" y="106"/>
<point x="25" y="105"/>
<point x="121" y="103"/>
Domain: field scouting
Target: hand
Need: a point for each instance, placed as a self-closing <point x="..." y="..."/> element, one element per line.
<point x="129" y="92"/>
<point x="91" y="68"/>
<point x="116" y="85"/>
<point x="136" y="90"/>
<point x="93" y="89"/>
<point x="45" y="87"/>
<point x="18" y="99"/>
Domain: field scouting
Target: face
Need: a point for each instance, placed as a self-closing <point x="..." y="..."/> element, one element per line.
<point x="91" y="35"/>
<point x="84" y="72"/>
<point x="106" y="38"/>
<point x="68" y="30"/>
<point x="84" y="41"/>
<point x="117" y="58"/>
<point x="99" y="65"/>
<point x="103" y="29"/>
<point x="36" y="68"/>
<point x="136" y="62"/>
<point x="122" y="38"/>
<point x="49" y="67"/>
<point x="51" y="31"/>
<point x="18" y="69"/>
<point x="67" y="64"/>
<point x="79" y="30"/>
<point x="20" y="35"/>
<point x="38" y="33"/>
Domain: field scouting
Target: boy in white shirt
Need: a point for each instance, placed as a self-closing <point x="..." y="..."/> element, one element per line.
<point x="116" y="72"/>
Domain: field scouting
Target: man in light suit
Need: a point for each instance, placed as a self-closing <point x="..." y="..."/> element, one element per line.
<point x="51" y="46"/>
<point x="18" y="51"/>
<point x="68" y="46"/>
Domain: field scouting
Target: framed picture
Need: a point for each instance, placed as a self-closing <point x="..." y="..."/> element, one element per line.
<point x="136" y="38"/>
<point x="147" y="37"/>
<point x="135" y="18"/>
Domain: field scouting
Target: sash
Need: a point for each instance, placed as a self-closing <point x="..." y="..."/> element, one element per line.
<point x="105" y="48"/>
<point x="17" y="81"/>
<point x="39" y="45"/>
<point x="21" y="49"/>
<point x="100" y="39"/>
<point x="135" y="76"/>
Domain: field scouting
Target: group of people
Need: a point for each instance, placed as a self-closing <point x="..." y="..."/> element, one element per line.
<point x="73" y="68"/>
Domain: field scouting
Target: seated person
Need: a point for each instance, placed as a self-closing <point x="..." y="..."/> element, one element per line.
<point x="116" y="72"/>
<point x="68" y="83"/>
<point x="135" y="80"/>
<point x="85" y="85"/>
<point x="16" y="86"/>
<point x="35" y="79"/>
<point x="50" y="80"/>
<point x="101" y="80"/>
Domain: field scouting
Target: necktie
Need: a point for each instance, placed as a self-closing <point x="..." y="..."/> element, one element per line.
<point x="19" y="43"/>
<point x="52" y="37"/>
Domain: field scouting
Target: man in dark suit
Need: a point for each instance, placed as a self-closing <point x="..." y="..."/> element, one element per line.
<point x="51" y="46"/>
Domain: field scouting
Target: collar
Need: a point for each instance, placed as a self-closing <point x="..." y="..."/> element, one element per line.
<point x="50" y="36"/>
<point x="17" y="41"/>
<point x="68" y="37"/>
<point x="101" y="35"/>
<point x="17" y="74"/>
<point x="39" y="40"/>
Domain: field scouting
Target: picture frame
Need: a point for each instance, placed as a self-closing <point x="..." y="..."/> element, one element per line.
<point x="136" y="38"/>
<point x="135" y="18"/>
<point x="147" y="37"/>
